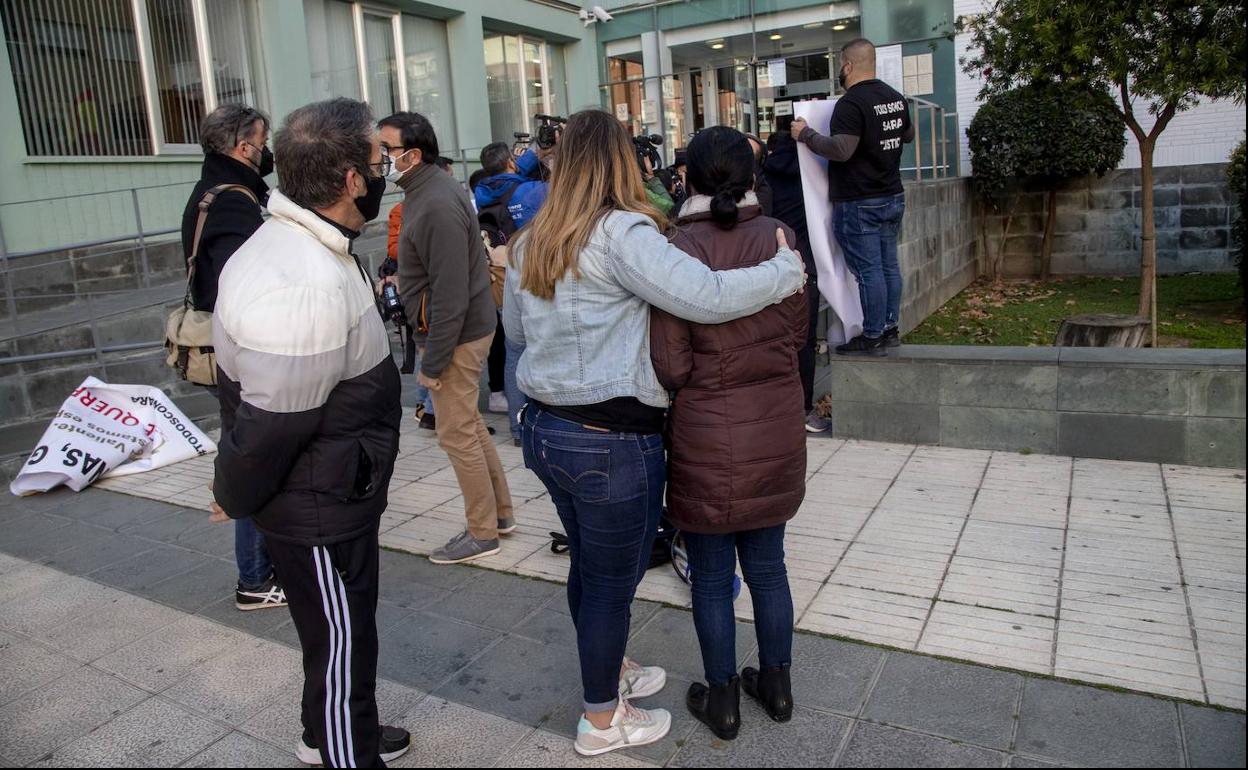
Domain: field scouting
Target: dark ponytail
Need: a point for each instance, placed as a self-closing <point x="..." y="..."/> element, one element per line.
<point x="721" y="164"/>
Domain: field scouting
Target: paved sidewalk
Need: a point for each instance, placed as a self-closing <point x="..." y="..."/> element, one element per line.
<point x="119" y="646"/>
<point x="1125" y="574"/>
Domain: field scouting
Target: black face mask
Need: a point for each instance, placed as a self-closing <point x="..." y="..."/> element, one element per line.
<point x="841" y="77"/>
<point x="370" y="203"/>
<point x="266" y="162"/>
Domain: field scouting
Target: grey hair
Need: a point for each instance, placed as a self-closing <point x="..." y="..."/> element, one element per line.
<point x="225" y="126"/>
<point x="318" y="144"/>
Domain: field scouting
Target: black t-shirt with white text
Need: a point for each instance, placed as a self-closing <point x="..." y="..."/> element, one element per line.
<point x="873" y="111"/>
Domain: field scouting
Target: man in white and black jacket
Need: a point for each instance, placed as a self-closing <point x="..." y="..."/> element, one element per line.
<point x="310" y="417"/>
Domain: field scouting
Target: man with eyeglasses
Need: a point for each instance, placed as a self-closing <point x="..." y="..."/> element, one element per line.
<point x="232" y="190"/>
<point x="444" y="280"/>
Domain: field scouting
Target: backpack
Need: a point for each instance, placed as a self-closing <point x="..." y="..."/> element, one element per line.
<point x="497" y="227"/>
<point x="496" y="218"/>
<point x="188" y="332"/>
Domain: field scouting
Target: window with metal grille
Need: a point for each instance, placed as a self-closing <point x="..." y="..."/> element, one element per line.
<point x="125" y="77"/>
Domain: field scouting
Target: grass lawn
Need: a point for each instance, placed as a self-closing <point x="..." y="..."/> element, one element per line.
<point x="1193" y="311"/>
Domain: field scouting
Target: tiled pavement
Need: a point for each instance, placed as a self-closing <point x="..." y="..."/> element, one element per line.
<point x="119" y="646"/>
<point x="1124" y="574"/>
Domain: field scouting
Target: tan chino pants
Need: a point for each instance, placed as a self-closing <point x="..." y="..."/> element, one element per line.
<point x="464" y="438"/>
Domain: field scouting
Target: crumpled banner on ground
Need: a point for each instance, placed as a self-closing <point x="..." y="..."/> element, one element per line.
<point x="107" y="430"/>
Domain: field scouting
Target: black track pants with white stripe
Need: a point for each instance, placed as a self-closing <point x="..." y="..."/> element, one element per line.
<point x="332" y="592"/>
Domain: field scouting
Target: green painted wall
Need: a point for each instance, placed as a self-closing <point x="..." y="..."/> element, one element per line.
<point x="28" y="226"/>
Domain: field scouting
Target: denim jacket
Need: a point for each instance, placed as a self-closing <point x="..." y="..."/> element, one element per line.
<point x="591" y="343"/>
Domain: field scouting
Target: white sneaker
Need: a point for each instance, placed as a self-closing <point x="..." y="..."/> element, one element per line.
<point x="498" y="403"/>
<point x="640" y="681"/>
<point x="630" y="727"/>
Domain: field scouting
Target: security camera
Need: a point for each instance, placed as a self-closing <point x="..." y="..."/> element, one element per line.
<point x="594" y="16"/>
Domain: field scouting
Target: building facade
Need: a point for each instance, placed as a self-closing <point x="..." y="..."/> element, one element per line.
<point x="100" y="100"/>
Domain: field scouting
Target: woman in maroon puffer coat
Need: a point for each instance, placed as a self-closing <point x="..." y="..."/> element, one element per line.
<point x="738" y="438"/>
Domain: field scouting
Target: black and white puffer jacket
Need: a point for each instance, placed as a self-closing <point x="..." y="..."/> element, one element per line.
<point x="309" y="391"/>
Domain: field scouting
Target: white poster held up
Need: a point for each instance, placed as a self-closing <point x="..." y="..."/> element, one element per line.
<point x="836" y="283"/>
<point x="107" y="430"/>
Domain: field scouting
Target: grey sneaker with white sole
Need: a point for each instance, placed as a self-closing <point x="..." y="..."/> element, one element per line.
<point x="507" y="525"/>
<point x="464" y="548"/>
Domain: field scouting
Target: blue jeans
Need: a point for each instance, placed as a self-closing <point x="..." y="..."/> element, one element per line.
<point x="254" y="565"/>
<point x="867" y="232"/>
<point x="515" y="399"/>
<point x="713" y="563"/>
<point x="250" y="553"/>
<point x="608" y="490"/>
<point x="422" y="393"/>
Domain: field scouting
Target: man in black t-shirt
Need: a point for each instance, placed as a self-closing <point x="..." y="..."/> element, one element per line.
<point x="869" y="125"/>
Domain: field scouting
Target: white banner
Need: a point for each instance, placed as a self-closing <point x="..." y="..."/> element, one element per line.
<point x="107" y="430"/>
<point x="836" y="283"/>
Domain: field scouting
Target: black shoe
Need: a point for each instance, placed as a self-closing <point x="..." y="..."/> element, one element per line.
<point x="395" y="742"/>
<point x="892" y="338"/>
<point x="717" y="707"/>
<point x="266" y="597"/>
<point x="772" y="689"/>
<point x="862" y="346"/>
<point x="428" y="422"/>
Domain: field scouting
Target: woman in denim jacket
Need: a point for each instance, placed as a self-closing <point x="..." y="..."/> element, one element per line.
<point x="588" y="268"/>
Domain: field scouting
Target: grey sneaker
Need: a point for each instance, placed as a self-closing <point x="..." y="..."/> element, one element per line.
<point x="817" y="424"/>
<point x="464" y="547"/>
<point x="507" y="526"/>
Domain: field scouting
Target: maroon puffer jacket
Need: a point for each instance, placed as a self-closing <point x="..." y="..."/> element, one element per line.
<point x="738" y="437"/>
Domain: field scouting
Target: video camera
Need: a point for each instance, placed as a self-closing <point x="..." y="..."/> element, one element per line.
<point x="646" y="147"/>
<point x="672" y="179"/>
<point x="548" y="132"/>
<point x="521" y="145"/>
<point x="391" y="308"/>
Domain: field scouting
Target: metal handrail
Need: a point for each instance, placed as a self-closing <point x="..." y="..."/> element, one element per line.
<point x="59" y="354"/>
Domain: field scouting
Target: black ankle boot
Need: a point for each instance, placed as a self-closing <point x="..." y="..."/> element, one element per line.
<point x="719" y="708"/>
<point x="772" y="689"/>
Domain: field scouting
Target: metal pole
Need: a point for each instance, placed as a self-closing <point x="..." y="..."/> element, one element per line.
<point x="931" y="114"/>
<point x="35" y="357"/>
<point x="138" y="222"/>
<point x="95" y="334"/>
<point x="918" y="146"/>
<point x="10" y="301"/>
<point x="944" y="142"/>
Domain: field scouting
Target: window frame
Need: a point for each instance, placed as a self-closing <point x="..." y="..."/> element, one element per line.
<point x="151" y="89"/>
<point x="544" y="49"/>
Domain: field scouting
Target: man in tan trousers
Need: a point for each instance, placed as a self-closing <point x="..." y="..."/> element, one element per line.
<point x="445" y="284"/>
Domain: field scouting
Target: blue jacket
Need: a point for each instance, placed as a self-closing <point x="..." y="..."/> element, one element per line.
<point x="530" y="190"/>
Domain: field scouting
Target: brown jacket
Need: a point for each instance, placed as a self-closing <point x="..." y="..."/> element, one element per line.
<point x="738" y="438"/>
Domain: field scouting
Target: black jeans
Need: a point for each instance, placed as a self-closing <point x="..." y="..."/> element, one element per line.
<point x="332" y="592"/>
<point x="497" y="361"/>
<point x="806" y="356"/>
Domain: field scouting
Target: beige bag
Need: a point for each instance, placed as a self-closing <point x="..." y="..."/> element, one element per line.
<point x="188" y="333"/>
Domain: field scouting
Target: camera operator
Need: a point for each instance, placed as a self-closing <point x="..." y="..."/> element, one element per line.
<point x="513" y="188"/>
<point x="510" y="194"/>
<point x="649" y="160"/>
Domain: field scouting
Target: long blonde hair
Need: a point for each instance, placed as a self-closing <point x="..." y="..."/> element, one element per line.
<point x="594" y="172"/>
